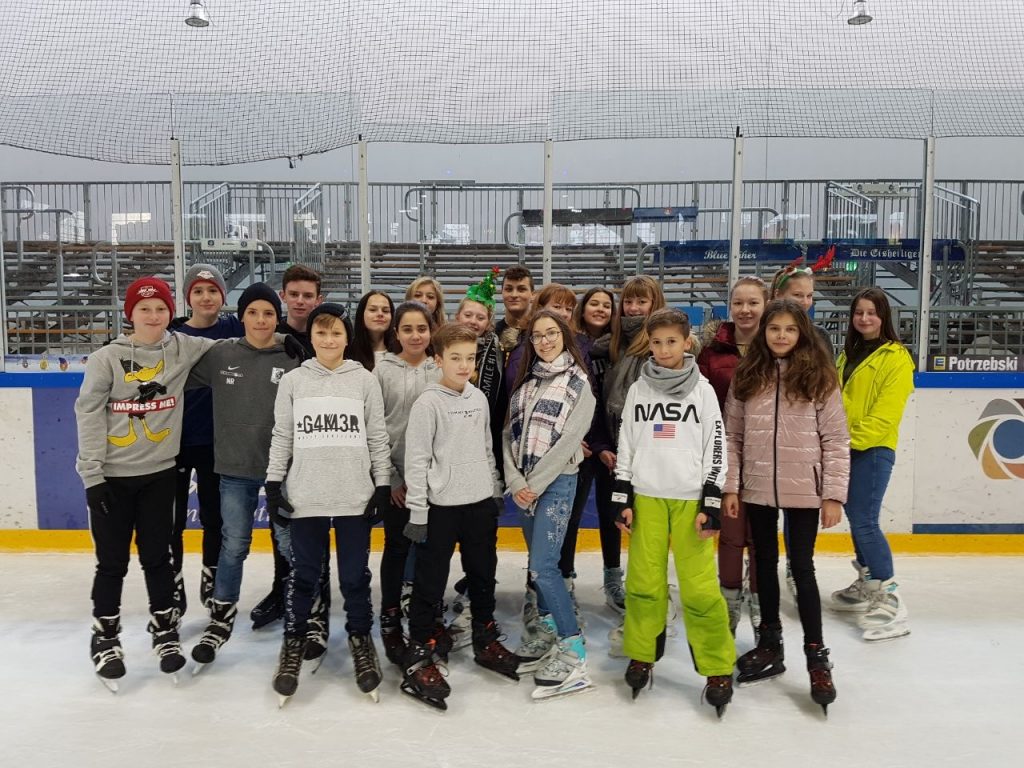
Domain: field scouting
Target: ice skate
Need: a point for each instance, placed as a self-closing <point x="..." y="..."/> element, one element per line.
<point x="538" y="642"/>
<point x="318" y="630"/>
<point x="854" y="598"/>
<point x="421" y="678"/>
<point x="530" y="612"/>
<point x="269" y="609"/>
<point x="565" y="671"/>
<point x="406" y="598"/>
<point x="754" y="608"/>
<point x="616" y="637"/>
<point x="765" y="661"/>
<point x="886" y="618"/>
<point x="366" y="664"/>
<point x="460" y="629"/>
<point x="734" y="603"/>
<point x="391" y="635"/>
<point x="217" y="632"/>
<point x="570" y="587"/>
<point x="718" y="692"/>
<point x="489" y="652"/>
<point x="461" y="601"/>
<point x="106" y="651"/>
<point x="289" y="665"/>
<point x="614" y="593"/>
<point x="164" y="626"/>
<point x="442" y="639"/>
<point x="823" y="692"/>
<point x="178" y="598"/>
<point x="207" y="579"/>
<point x="639" y="675"/>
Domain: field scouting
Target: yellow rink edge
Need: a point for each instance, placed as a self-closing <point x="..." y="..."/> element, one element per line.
<point x="511" y="540"/>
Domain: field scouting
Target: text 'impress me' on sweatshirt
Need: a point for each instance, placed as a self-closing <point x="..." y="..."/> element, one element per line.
<point x="448" y="455"/>
<point x="244" y="381"/>
<point x="670" y="445"/>
<point x="129" y="407"/>
<point x="330" y="425"/>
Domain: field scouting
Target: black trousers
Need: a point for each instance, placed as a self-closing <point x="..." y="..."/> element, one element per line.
<point x="200" y="459"/>
<point x="803" y="532"/>
<point x="474" y="527"/>
<point x="143" y="507"/>
<point x="393" y="558"/>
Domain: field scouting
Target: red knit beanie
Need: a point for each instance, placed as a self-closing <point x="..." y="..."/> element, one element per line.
<point x="147" y="288"/>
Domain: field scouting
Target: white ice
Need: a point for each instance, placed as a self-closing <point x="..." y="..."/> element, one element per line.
<point x="949" y="694"/>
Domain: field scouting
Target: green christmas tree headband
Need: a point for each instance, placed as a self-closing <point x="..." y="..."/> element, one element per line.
<point x="483" y="292"/>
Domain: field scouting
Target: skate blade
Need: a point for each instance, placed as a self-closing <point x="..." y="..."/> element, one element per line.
<point x="543" y="693"/>
<point x="314" y="664"/>
<point x="374" y="695"/>
<point x="720" y="710"/>
<point x="282" y="700"/>
<point x="435" y="705"/>
<point x="740" y="682"/>
<point x="512" y="677"/>
<point x="847" y="609"/>
<point x="198" y="667"/>
<point x="885" y="634"/>
<point x="109" y="684"/>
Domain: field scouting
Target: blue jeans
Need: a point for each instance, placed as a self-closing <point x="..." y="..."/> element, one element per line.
<point x="309" y="537"/>
<point x="870" y="471"/>
<point x="239" y="498"/>
<point x="544" y="531"/>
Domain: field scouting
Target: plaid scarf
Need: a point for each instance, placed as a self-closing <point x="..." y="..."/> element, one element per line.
<point x="531" y="440"/>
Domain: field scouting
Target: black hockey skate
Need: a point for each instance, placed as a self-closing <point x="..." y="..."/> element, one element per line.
<point x="289" y="664"/>
<point x="421" y="678"/>
<point x="823" y="692"/>
<point x="489" y="652"/>
<point x="164" y="626"/>
<point x="207" y="579"/>
<point x="718" y="692"/>
<point x="765" y="661"/>
<point x="442" y="640"/>
<point x="391" y="635"/>
<point x="318" y="630"/>
<point x="639" y="675"/>
<point x="269" y="609"/>
<point x="217" y="632"/>
<point x="366" y="664"/>
<point x="178" y="598"/>
<point x="107" y="654"/>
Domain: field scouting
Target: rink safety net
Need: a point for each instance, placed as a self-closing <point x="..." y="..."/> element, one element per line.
<point x="115" y="79"/>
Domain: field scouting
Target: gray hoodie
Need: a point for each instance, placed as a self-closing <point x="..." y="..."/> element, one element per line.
<point x="401" y="384"/>
<point x="130" y="406"/>
<point x="244" y="381"/>
<point x="330" y="426"/>
<point x="448" y="455"/>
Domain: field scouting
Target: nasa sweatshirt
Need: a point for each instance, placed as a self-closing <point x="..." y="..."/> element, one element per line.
<point x="671" y="442"/>
<point x="330" y="425"/>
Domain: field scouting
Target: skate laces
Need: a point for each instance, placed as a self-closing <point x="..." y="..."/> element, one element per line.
<point x="106" y="654"/>
<point x="290" y="661"/>
<point x="717" y="682"/>
<point x="362" y="657"/>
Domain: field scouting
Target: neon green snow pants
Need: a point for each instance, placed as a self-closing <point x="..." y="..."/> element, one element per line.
<point x="658" y="524"/>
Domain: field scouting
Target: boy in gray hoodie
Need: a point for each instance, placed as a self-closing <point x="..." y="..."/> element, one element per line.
<point x="129" y="431"/>
<point x="243" y="375"/>
<point x="454" y="496"/>
<point x="330" y="442"/>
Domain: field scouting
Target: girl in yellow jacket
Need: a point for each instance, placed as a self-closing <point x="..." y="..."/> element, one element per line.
<point x="877" y="377"/>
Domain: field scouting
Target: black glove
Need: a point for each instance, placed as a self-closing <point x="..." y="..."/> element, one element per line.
<point x="278" y="508"/>
<point x="293" y="348"/>
<point x="415" y="532"/>
<point x="622" y="498"/>
<point x="100" y="499"/>
<point x="375" y="507"/>
<point x="711" y="505"/>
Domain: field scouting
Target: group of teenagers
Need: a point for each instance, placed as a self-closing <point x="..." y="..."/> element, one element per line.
<point x="428" y="424"/>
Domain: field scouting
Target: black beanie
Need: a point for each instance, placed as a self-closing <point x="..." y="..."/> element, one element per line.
<point x="334" y="310"/>
<point x="256" y="292"/>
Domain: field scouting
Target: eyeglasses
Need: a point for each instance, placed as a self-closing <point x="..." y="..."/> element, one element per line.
<point x="537" y="338"/>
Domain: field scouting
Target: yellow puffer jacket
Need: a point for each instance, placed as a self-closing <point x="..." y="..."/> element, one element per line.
<point x="876" y="394"/>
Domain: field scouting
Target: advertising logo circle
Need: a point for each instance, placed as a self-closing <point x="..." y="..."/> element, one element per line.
<point x="997" y="440"/>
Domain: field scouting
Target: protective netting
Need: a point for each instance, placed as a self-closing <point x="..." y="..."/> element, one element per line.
<point x="113" y="79"/>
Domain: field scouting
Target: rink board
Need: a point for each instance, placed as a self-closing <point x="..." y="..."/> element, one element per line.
<point x="945" y="486"/>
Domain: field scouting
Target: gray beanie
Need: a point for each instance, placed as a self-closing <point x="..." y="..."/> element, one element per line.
<point x="259" y="291"/>
<point x="199" y="273"/>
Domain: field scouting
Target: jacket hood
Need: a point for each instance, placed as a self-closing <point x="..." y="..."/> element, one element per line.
<point x="347" y="366"/>
<point x="718" y="334"/>
<point x="442" y="389"/>
<point x="390" y="358"/>
<point x="126" y="340"/>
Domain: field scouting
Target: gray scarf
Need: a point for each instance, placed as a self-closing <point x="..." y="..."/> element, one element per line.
<point x="677" y="384"/>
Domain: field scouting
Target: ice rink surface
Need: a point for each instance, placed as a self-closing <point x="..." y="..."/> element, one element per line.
<point x="949" y="694"/>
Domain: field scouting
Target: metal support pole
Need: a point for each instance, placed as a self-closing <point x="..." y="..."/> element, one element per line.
<point x="3" y="295"/>
<point x="924" y="270"/>
<point x="736" y="217"/>
<point x="549" y="198"/>
<point x="176" y="229"/>
<point x="364" y="220"/>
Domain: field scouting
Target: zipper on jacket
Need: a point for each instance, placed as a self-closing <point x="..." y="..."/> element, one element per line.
<point x="775" y="433"/>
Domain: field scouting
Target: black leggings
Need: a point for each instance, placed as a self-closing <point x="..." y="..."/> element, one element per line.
<point x="803" y="531"/>
<point x="200" y="458"/>
<point x="393" y="559"/>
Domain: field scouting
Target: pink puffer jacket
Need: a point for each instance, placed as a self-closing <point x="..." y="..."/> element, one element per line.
<point x="784" y="453"/>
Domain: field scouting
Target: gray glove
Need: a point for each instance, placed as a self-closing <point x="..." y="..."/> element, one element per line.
<point x="415" y="532"/>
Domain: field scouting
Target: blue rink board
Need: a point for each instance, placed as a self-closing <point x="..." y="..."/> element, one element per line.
<point x="61" y="499"/>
